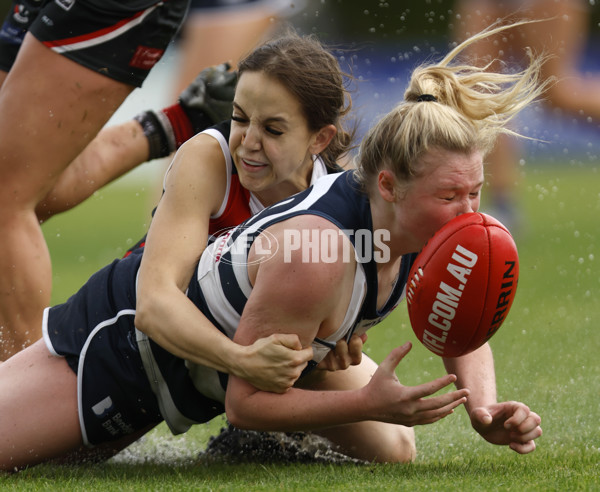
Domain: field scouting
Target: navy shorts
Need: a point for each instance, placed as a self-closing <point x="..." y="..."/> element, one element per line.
<point x="94" y="330"/>
<point x="122" y="40"/>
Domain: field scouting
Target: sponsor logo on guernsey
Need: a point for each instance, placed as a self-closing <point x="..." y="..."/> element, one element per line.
<point x="221" y="242"/>
<point x="447" y="299"/>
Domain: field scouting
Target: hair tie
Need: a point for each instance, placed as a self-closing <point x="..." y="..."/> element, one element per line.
<point x="426" y="97"/>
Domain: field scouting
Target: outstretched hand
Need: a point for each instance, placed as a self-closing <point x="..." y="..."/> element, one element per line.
<point x="274" y="363"/>
<point x="509" y="423"/>
<point x="409" y="405"/>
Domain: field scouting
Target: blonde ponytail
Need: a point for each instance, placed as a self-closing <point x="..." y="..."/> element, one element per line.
<point x="458" y="107"/>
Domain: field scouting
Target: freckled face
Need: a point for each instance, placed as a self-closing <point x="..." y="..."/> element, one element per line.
<point x="270" y="140"/>
<point x="449" y="185"/>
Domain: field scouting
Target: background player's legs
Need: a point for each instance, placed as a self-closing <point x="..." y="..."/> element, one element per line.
<point x="210" y="38"/>
<point x="50" y="109"/>
<point x="565" y="37"/>
<point x="116" y="150"/>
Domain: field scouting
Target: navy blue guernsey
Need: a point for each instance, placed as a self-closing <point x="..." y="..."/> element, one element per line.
<point x="221" y="288"/>
<point x="338" y="199"/>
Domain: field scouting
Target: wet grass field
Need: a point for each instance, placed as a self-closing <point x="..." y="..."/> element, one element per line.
<point x="546" y="355"/>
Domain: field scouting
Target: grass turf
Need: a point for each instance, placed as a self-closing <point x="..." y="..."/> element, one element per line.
<point x="545" y="354"/>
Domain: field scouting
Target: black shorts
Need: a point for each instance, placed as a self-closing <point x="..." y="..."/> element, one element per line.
<point x="94" y="330"/>
<point x="122" y="40"/>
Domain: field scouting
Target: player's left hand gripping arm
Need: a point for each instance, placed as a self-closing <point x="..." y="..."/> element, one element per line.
<point x="506" y="423"/>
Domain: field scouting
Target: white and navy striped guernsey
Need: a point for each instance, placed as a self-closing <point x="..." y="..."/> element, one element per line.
<point x="221" y="289"/>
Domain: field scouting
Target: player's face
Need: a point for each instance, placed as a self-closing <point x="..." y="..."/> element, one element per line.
<point x="270" y="141"/>
<point x="448" y="185"/>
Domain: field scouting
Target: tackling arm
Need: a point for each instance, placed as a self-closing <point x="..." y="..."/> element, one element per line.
<point x="195" y="187"/>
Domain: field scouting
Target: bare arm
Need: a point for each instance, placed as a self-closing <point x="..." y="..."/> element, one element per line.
<point x="311" y="301"/>
<point x="476" y="372"/>
<point x="195" y="187"/>
<point x="506" y="423"/>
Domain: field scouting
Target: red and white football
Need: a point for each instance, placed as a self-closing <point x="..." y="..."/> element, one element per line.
<point x="462" y="284"/>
